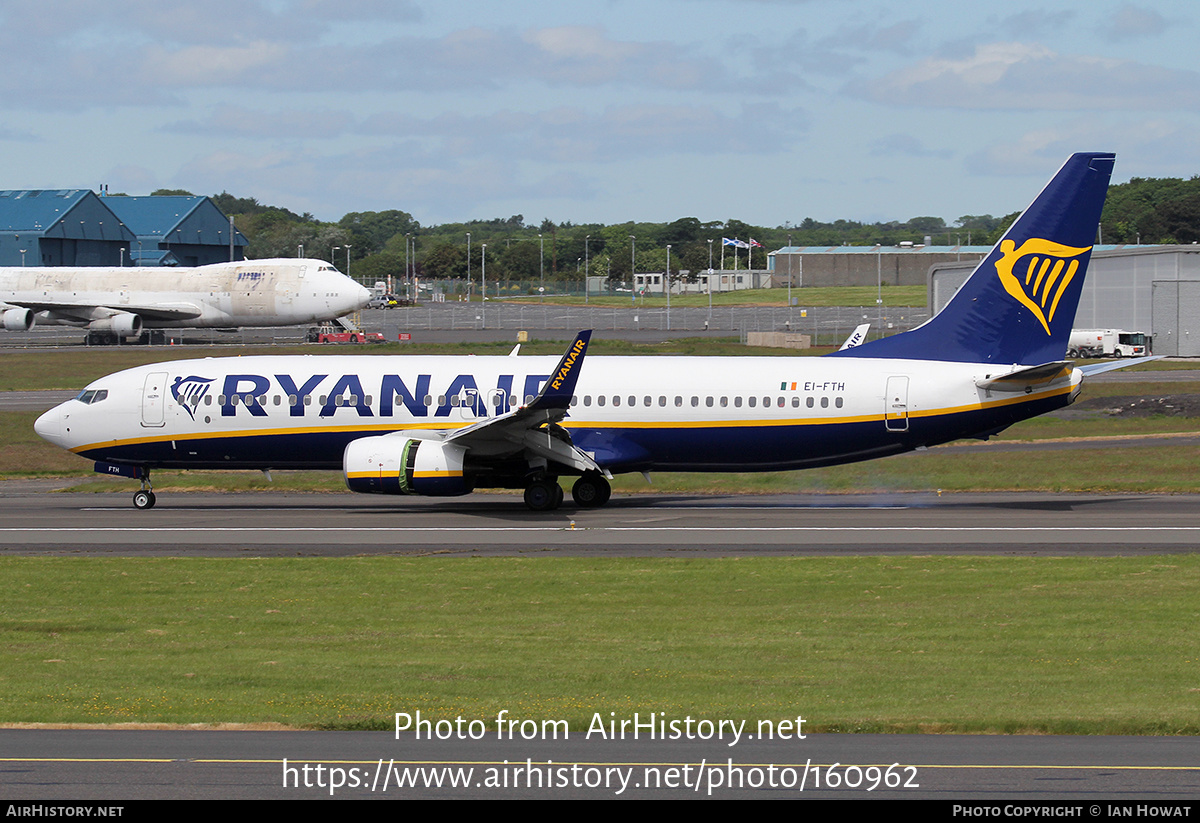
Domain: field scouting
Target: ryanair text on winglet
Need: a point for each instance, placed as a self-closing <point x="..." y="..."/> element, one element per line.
<point x="568" y="363"/>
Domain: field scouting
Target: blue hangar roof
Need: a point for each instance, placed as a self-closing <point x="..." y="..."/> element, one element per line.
<point x="174" y="219"/>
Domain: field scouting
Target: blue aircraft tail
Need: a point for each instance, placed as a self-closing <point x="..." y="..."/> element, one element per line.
<point x="1018" y="306"/>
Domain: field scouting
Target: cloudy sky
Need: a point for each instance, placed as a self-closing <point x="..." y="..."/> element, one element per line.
<point x="769" y="111"/>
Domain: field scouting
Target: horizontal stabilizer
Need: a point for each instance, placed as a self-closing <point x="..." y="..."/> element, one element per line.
<point x="1025" y="379"/>
<point x="1101" y="368"/>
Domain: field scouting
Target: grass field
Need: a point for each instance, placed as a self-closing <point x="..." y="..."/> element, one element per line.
<point x="1071" y="646"/>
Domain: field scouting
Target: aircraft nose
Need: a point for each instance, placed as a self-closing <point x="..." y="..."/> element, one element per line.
<point x="362" y="297"/>
<point x="49" y="426"/>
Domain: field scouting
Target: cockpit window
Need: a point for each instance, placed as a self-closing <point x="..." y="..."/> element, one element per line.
<point x="90" y="396"/>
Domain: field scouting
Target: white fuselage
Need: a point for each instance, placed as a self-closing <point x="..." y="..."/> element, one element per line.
<point x="628" y="413"/>
<point x="250" y="293"/>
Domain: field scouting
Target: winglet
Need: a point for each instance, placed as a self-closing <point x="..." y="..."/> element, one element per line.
<point x="558" y="390"/>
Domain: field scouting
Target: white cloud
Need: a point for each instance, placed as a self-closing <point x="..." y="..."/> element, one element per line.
<point x="905" y="145"/>
<point x="570" y="135"/>
<point x="1159" y="147"/>
<point x="230" y="121"/>
<point x="1132" y="23"/>
<point x="1028" y="76"/>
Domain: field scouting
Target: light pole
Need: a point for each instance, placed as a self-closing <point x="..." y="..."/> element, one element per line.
<point x="879" y="290"/>
<point x="633" y="265"/>
<point x="668" y="285"/>
<point x="332" y="252"/>
<point x="483" y="285"/>
<point x="585" y="268"/>
<point x="710" y="277"/>
<point x="468" y="267"/>
<point x="789" y="275"/>
<point x="347" y="259"/>
<point x="541" y="268"/>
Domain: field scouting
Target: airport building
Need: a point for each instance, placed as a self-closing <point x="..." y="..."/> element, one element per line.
<point x="76" y="227"/>
<point x="1149" y="289"/>
<point x="687" y="282"/>
<point x="904" y="265"/>
<point x="174" y="230"/>
<point x="61" y="227"/>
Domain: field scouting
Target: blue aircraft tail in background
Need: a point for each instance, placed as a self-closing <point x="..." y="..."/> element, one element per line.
<point x="1019" y="304"/>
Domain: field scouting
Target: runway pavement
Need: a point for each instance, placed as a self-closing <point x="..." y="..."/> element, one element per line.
<point x="1011" y="769"/>
<point x="35" y="521"/>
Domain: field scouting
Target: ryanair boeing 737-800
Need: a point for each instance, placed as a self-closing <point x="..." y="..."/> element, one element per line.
<point x="434" y="425"/>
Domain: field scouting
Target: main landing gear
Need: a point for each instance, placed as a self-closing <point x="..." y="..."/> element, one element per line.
<point x="590" y="491"/>
<point x="144" y="498"/>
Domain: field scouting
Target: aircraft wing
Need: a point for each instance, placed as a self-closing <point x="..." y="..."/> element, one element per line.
<point x="532" y="426"/>
<point x="94" y="311"/>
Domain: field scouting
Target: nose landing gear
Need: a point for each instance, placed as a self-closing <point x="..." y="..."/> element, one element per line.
<point x="144" y="498"/>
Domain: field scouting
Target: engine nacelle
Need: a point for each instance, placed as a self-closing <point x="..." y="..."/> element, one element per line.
<point x="396" y="464"/>
<point x="18" y="320"/>
<point x="123" y="323"/>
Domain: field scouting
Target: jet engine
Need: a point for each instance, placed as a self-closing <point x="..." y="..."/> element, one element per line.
<point x="18" y="320"/>
<point x="122" y="323"/>
<point x="400" y="464"/>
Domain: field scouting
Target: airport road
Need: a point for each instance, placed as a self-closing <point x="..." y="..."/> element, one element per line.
<point x="637" y="525"/>
<point x="128" y="765"/>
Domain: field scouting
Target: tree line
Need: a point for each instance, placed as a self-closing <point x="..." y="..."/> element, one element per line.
<point x="383" y="243"/>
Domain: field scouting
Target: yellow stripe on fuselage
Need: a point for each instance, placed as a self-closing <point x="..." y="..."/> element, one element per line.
<point x="447" y="425"/>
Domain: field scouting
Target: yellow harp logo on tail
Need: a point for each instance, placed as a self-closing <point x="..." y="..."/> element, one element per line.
<point x="1038" y="273"/>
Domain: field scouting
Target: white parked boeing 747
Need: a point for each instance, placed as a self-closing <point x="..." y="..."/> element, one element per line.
<point x="447" y="425"/>
<point x="119" y="301"/>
